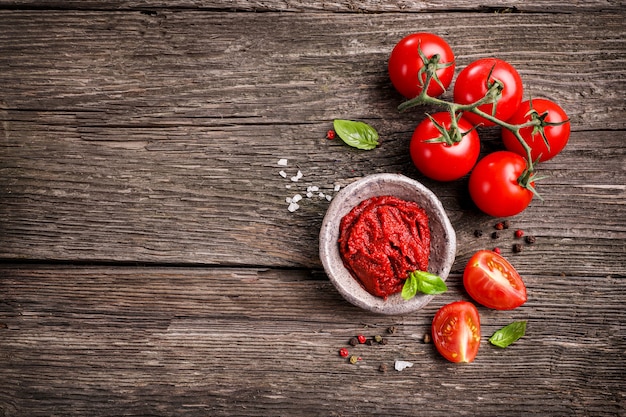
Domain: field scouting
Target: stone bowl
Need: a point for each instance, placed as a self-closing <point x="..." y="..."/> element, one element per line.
<point x="442" y="246"/>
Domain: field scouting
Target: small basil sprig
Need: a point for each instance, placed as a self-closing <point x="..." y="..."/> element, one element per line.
<point x="508" y="334"/>
<point x="356" y="134"/>
<point x="424" y="282"/>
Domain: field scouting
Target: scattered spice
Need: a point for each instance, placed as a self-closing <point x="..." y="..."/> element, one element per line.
<point x="383" y="341"/>
<point x="354" y="359"/>
<point x="499" y="226"/>
<point x="369" y="342"/>
<point x="497" y="250"/>
<point x="383" y="367"/>
<point x="519" y="233"/>
<point x="506" y="224"/>
<point x="378" y="338"/>
<point x="392" y="329"/>
<point x="353" y="341"/>
<point x="343" y="352"/>
<point x="530" y="239"/>
<point x="362" y="339"/>
<point x="495" y="235"/>
<point x="330" y="134"/>
<point x="427" y="338"/>
<point x="478" y="233"/>
<point x="517" y="248"/>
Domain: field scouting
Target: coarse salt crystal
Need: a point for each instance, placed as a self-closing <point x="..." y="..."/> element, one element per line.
<point x="282" y="162"/>
<point x="309" y="194"/>
<point x="297" y="176"/>
<point x="293" y="207"/>
<point x="283" y="174"/>
<point x="337" y="187"/>
<point x="296" y="198"/>
<point x="322" y="195"/>
<point x="401" y="365"/>
<point x="288" y="200"/>
<point x="329" y="197"/>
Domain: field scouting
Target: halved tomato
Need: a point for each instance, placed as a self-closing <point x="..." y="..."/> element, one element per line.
<point x="456" y="331"/>
<point x="493" y="282"/>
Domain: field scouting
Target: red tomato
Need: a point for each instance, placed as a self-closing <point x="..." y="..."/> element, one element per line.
<point x="493" y="282"/>
<point x="456" y="331"/>
<point x="557" y="136"/>
<point x="443" y="161"/>
<point x="405" y="62"/>
<point x="494" y="187"/>
<point x="472" y="85"/>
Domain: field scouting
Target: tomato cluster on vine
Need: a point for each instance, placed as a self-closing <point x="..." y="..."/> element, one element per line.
<point x="488" y="92"/>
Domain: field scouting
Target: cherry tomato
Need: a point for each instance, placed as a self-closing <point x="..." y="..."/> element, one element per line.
<point x="456" y="331"/>
<point x="444" y="161"/>
<point x="494" y="187"/>
<point x="493" y="282"/>
<point x="557" y="136"/>
<point x="472" y="85"/>
<point x="405" y="63"/>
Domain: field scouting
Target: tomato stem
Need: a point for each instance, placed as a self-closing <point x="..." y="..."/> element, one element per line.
<point x="492" y="95"/>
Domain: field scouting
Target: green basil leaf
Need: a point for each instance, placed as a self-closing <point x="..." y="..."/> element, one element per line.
<point x="508" y="334"/>
<point x="424" y="282"/>
<point x="409" y="289"/>
<point x="356" y="134"/>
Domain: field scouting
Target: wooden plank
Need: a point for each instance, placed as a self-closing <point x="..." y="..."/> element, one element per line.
<point x="359" y="6"/>
<point x="166" y="152"/>
<point x="232" y="341"/>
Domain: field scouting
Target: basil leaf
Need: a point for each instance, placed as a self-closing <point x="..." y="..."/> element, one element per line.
<point x="424" y="282"/>
<point x="508" y="334"/>
<point x="356" y="134"/>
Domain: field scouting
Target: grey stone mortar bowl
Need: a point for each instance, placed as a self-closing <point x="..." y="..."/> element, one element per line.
<point x="442" y="249"/>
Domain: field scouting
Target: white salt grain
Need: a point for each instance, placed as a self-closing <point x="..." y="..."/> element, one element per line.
<point x="283" y="174"/>
<point x="401" y="365"/>
<point x="337" y="187"/>
<point x="309" y="194"/>
<point x="282" y="162"/>
<point x="322" y="195"/>
<point x="293" y="207"/>
<point x="296" y="198"/>
<point x="329" y="197"/>
<point x="288" y="200"/>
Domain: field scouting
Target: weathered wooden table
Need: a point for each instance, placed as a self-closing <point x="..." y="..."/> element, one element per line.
<point x="149" y="264"/>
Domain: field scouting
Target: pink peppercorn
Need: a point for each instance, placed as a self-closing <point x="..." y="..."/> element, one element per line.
<point x="497" y="250"/>
<point x="330" y="134"/>
<point x="519" y="233"/>
<point x="343" y="352"/>
<point x="361" y="338"/>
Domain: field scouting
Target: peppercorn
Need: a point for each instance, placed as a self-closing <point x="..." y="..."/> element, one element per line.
<point x="383" y="367"/>
<point x="517" y="248"/>
<point x="427" y="338"/>
<point x="530" y="239"/>
<point x="499" y="226"/>
<point x="343" y="352"/>
<point x="506" y="224"/>
<point x="519" y="233"/>
<point x="497" y="250"/>
<point x="354" y="359"/>
<point x="383" y="341"/>
<point x="330" y="135"/>
<point x="495" y="235"/>
<point x="378" y="338"/>
<point x="361" y="338"/>
<point x="369" y="342"/>
<point x="392" y="329"/>
<point x="478" y="233"/>
<point x="353" y="341"/>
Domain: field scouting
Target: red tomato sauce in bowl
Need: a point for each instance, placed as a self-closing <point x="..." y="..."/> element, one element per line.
<point x="382" y="240"/>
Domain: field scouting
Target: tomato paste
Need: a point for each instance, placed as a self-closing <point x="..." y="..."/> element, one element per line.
<point x="382" y="240"/>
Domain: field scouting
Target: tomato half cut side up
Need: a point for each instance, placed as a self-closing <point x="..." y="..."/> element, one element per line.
<point x="493" y="282"/>
<point x="456" y="331"/>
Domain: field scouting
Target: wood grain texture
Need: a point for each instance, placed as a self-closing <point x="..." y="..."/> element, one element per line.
<point x="233" y="341"/>
<point x="149" y="264"/>
<point x="131" y="137"/>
